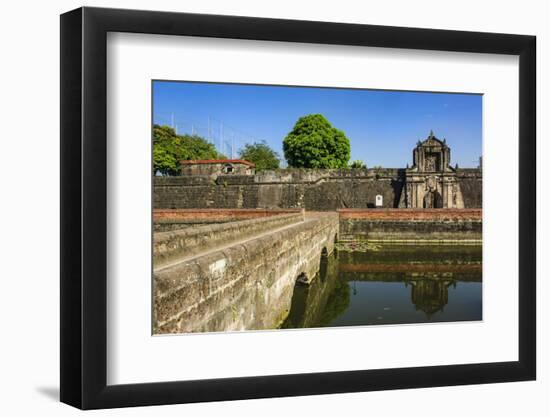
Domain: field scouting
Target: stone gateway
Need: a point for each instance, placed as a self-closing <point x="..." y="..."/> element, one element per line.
<point x="431" y="182"/>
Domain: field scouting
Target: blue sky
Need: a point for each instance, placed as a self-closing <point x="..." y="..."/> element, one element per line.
<point x="382" y="126"/>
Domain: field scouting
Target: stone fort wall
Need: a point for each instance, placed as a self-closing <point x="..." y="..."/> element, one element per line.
<point x="412" y="225"/>
<point x="470" y="181"/>
<point x="311" y="189"/>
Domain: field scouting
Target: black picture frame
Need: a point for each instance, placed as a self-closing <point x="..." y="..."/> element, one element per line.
<point x="84" y="207"/>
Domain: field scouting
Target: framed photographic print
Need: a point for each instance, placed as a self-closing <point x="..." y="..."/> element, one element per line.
<point x="258" y="207"/>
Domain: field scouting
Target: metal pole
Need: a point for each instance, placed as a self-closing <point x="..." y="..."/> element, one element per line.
<point x="221" y="137"/>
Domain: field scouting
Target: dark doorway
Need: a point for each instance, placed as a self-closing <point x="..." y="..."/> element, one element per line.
<point x="432" y="199"/>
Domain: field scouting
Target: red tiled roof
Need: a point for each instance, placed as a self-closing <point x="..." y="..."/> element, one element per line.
<point x="217" y="161"/>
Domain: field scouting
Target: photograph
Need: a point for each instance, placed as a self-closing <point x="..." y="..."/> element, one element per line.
<point x="300" y="207"/>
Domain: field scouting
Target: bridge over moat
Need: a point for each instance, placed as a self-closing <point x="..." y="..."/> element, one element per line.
<point x="245" y="280"/>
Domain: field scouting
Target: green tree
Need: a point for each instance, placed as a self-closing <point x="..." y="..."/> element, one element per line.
<point x="357" y="164"/>
<point x="163" y="160"/>
<point x="261" y="155"/>
<point x="315" y="143"/>
<point x="170" y="148"/>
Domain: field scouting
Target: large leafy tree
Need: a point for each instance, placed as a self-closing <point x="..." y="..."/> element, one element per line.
<point x="261" y="155"/>
<point x="315" y="143"/>
<point x="170" y="148"/>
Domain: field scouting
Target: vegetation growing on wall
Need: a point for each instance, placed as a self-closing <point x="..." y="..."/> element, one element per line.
<point x="315" y="143"/>
<point x="261" y="155"/>
<point x="357" y="164"/>
<point x="170" y="148"/>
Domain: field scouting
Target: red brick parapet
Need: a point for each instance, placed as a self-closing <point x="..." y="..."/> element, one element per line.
<point x="181" y="214"/>
<point x="411" y="214"/>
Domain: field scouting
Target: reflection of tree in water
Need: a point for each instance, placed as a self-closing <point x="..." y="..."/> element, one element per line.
<point x="430" y="295"/>
<point x="337" y="303"/>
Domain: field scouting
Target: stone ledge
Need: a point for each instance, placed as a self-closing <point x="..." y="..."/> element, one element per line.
<point x="169" y="246"/>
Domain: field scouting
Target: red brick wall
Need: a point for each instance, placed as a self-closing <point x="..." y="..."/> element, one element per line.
<point x="181" y="214"/>
<point x="411" y="214"/>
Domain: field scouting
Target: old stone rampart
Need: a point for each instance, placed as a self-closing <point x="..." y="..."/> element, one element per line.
<point x="311" y="189"/>
<point x="412" y="225"/>
<point x="471" y="186"/>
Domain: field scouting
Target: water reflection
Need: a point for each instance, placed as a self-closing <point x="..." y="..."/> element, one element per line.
<point x="430" y="295"/>
<point x="390" y="286"/>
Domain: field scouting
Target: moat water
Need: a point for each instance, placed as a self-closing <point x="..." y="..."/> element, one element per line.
<point x="391" y="285"/>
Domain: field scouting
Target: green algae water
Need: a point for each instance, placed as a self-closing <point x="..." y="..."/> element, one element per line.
<point x="391" y="285"/>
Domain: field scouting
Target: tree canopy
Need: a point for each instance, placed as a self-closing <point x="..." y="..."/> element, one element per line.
<point x="315" y="143"/>
<point x="170" y="148"/>
<point x="261" y="155"/>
